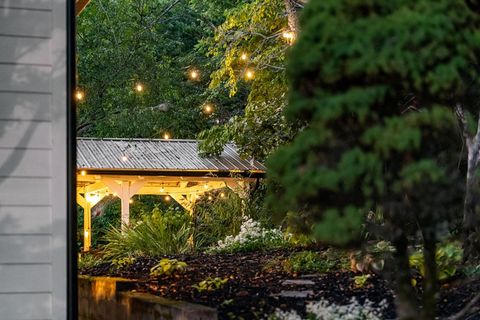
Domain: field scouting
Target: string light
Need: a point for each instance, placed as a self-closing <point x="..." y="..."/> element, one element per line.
<point x="79" y="95"/>
<point x="130" y="201"/>
<point x="244" y="56"/>
<point x="205" y="186"/>
<point x="249" y="74"/>
<point x="197" y="196"/>
<point x="210" y="198"/>
<point x="222" y="195"/>
<point x="139" y="87"/>
<point x="167" y="198"/>
<point x="83" y="173"/>
<point x="166" y="136"/>
<point x="208" y="108"/>
<point x="289" y="36"/>
<point x="162" y="189"/>
<point x="194" y="74"/>
<point x="124" y="158"/>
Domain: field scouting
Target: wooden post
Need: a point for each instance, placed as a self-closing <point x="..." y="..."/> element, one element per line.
<point x="87" y="222"/>
<point x="125" y="204"/>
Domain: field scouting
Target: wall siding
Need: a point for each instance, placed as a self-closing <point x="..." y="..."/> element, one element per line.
<point x="33" y="164"/>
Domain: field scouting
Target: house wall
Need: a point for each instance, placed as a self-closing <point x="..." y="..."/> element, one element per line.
<point x="33" y="160"/>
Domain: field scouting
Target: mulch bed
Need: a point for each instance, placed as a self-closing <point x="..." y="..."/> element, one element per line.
<point x="254" y="291"/>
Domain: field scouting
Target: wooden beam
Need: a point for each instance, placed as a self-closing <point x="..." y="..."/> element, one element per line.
<point x="80" y="5"/>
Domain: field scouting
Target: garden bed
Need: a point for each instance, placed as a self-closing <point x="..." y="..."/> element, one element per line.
<point x="258" y="285"/>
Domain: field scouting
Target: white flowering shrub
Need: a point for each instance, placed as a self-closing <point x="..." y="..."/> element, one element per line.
<point x="252" y="236"/>
<point x="324" y="310"/>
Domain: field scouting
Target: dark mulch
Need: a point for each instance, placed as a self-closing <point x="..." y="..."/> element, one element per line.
<point x="253" y="291"/>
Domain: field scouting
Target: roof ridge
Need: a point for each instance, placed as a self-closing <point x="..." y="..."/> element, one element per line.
<point x="136" y="139"/>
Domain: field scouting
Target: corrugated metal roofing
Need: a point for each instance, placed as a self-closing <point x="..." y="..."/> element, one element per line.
<point x="157" y="155"/>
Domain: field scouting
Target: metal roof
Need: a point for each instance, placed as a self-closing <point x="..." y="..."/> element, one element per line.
<point x="154" y="155"/>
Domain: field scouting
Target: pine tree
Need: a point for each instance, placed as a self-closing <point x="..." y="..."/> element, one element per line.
<point x="375" y="83"/>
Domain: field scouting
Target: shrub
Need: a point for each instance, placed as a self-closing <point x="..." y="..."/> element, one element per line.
<point x="310" y="261"/>
<point x="86" y="261"/>
<point x="161" y="233"/>
<point x="210" y="284"/>
<point x="252" y="236"/>
<point x="168" y="267"/>
<point x="447" y="257"/>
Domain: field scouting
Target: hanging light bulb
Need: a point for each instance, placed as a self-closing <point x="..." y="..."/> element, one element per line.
<point x="244" y="56"/>
<point x="79" y="95"/>
<point x="249" y="74"/>
<point x="222" y="195"/>
<point x="194" y="74"/>
<point x="166" y="136"/>
<point x="197" y="196"/>
<point x="83" y="173"/>
<point x="139" y="87"/>
<point x="205" y="186"/>
<point x="289" y="36"/>
<point x="208" y="108"/>
<point x="210" y="198"/>
<point x="167" y="198"/>
<point x="130" y="201"/>
<point x="124" y="158"/>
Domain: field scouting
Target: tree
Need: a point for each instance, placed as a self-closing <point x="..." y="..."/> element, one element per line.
<point x="249" y="49"/>
<point x="124" y="43"/>
<point x="375" y="84"/>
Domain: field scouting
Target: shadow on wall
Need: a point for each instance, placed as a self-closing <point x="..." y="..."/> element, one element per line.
<point x="32" y="62"/>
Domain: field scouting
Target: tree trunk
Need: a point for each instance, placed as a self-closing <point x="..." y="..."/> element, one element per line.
<point x="292" y="15"/>
<point x="405" y="300"/>
<point x="471" y="237"/>
<point x="430" y="286"/>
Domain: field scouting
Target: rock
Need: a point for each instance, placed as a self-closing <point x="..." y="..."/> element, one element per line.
<point x="295" y="294"/>
<point x="298" y="282"/>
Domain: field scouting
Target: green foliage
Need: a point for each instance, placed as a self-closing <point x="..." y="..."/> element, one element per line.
<point x="448" y="258"/>
<point x="313" y="262"/>
<point x="164" y="232"/>
<point x="210" y="284"/>
<point x="168" y="267"/>
<point x="87" y="261"/>
<point x="123" y="262"/>
<point x="253" y="28"/>
<point x="361" y="281"/>
<point x="379" y="125"/>
<point x="122" y="43"/>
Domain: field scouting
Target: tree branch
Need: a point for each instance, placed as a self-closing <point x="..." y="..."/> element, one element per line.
<point x="468" y="309"/>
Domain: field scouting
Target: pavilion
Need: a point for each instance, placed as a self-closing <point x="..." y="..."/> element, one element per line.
<point x="173" y="168"/>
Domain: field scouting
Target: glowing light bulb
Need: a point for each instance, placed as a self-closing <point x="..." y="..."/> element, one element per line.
<point x="139" y="87"/>
<point x="222" y="195"/>
<point x="79" y="95"/>
<point x="86" y="234"/>
<point x="166" y="136"/>
<point x="249" y="74"/>
<point x="167" y="198"/>
<point x="197" y="196"/>
<point x="205" y="186"/>
<point x="124" y="158"/>
<point x="130" y="201"/>
<point x="208" y="108"/>
<point x="289" y="36"/>
<point x="115" y="194"/>
<point x="194" y="74"/>
<point x="210" y="198"/>
<point x="83" y="173"/>
<point x="162" y="189"/>
<point x="244" y="56"/>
